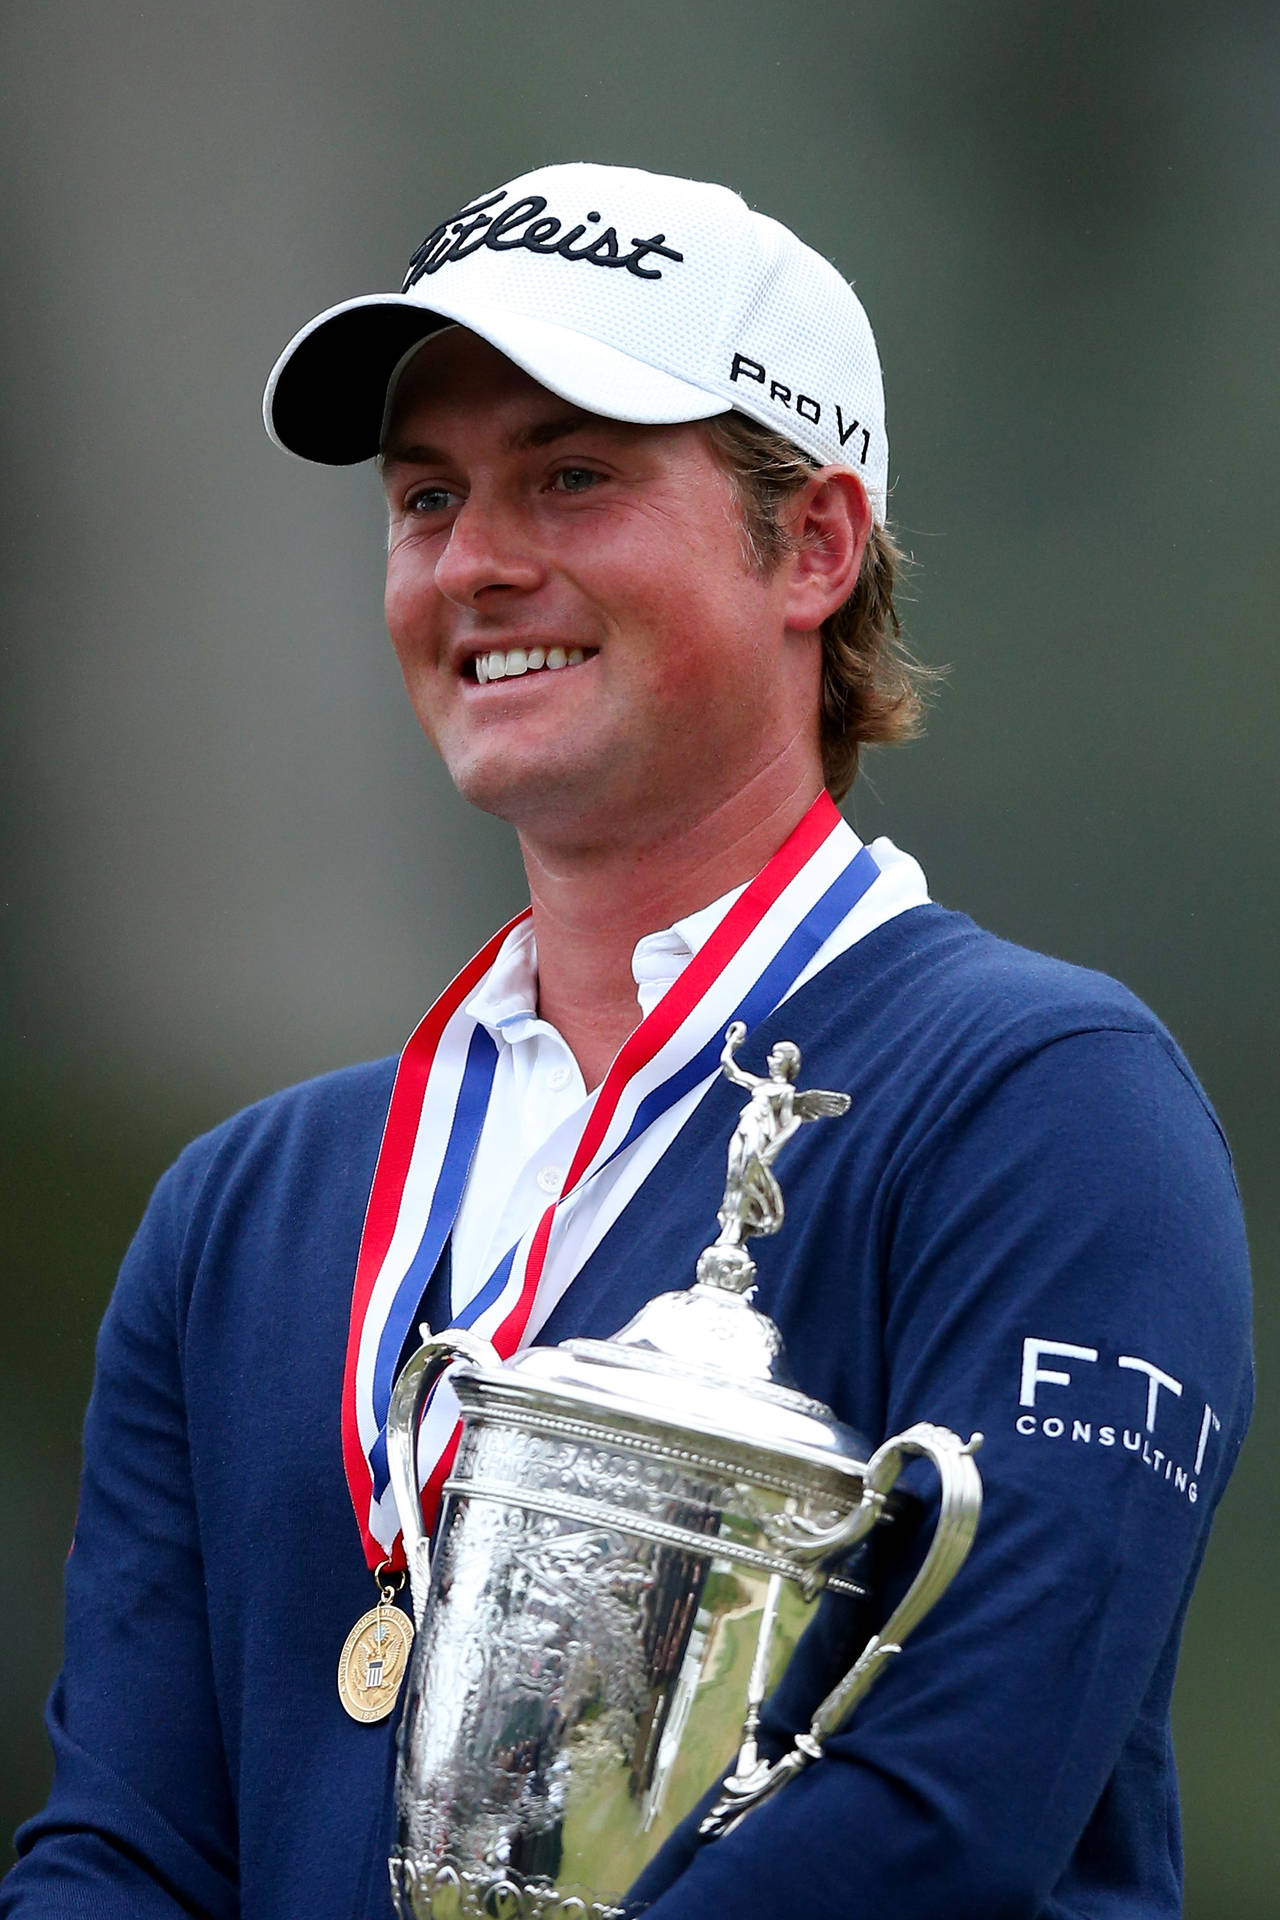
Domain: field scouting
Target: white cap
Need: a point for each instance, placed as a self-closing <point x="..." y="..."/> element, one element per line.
<point x="633" y="295"/>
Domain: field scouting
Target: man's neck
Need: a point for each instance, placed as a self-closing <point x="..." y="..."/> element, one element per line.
<point x="593" y="901"/>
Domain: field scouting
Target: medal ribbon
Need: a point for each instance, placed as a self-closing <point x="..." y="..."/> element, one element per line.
<point x="437" y="1110"/>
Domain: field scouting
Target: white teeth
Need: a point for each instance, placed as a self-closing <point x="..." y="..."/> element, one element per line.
<point x="516" y="661"/>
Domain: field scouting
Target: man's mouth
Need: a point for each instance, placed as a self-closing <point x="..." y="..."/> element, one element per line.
<point x="511" y="663"/>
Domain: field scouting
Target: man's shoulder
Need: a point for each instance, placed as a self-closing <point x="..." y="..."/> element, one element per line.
<point x="941" y="998"/>
<point x="935" y="963"/>
<point x="305" y="1128"/>
<point x="278" y="1190"/>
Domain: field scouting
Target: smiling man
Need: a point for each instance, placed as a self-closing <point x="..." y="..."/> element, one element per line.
<point x="590" y="650"/>
<point x="640" y="585"/>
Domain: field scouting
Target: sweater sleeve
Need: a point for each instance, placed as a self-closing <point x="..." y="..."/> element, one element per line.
<point x="140" y="1821"/>
<point x="1064" y="1269"/>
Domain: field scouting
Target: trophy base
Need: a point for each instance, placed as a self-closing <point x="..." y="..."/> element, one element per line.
<point x="435" y="1890"/>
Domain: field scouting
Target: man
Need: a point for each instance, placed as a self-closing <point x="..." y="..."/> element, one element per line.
<point x="640" y="587"/>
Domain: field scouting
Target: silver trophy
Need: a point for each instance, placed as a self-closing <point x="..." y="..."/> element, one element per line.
<point x="635" y="1535"/>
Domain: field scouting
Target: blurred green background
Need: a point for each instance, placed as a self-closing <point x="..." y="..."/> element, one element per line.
<point x="230" y="862"/>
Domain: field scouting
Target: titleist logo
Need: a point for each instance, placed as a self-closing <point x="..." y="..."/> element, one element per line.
<point x="526" y="223"/>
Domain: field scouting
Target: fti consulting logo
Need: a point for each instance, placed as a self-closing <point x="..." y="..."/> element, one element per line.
<point x="1140" y="1400"/>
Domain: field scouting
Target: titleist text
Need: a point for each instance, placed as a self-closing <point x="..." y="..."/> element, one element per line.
<point x="526" y="223"/>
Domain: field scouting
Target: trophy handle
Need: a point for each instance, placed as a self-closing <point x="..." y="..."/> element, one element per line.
<point x="409" y="1397"/>
<point x="753" y="1780"/>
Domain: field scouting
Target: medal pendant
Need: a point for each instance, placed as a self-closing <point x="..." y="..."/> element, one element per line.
<point x="374" y="1661"/>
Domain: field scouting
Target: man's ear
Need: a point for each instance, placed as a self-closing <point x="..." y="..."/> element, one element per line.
<point x="830" y="522"/>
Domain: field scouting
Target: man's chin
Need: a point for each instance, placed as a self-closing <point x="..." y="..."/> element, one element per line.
<point x="538" y="796"/>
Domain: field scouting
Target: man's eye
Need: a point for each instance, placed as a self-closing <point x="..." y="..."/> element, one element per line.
<point x="429" y="500"/>
<point x="575" y="479"/>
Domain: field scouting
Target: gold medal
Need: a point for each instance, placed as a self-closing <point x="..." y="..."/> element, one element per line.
<point x="375" y="1659"/>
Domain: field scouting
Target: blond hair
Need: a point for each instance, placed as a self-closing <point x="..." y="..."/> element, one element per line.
<point x="872" y="687"/>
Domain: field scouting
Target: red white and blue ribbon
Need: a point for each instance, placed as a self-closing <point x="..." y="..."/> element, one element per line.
<point x="438" y="1104"/>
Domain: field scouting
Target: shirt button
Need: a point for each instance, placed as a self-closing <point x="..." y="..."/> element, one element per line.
<point x="559" y="1077"/>
<point x="550" y="1179"/>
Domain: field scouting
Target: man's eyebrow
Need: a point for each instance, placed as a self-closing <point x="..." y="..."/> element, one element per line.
<point x="408" y="454"/>
<point x="541" y="433"/>
<point x="545" y="433"/>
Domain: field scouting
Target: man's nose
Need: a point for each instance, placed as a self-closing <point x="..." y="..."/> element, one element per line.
<point x="489" y="549"/>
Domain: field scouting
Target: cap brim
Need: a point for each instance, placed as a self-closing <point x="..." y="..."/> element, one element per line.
<point x="327" y="394"/>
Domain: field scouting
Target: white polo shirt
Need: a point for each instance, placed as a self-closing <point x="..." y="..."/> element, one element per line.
<point x="538" y="1084"/>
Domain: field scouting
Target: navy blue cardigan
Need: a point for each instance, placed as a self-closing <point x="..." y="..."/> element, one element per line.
<point x="1028" y="1165"/>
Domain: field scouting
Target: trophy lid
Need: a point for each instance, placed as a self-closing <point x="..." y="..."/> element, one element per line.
<point x="701" y="1357"/>
<point x="699" y="1363"/>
